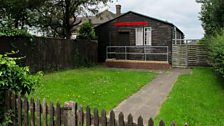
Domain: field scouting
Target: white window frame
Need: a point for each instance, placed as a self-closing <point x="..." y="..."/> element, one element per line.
<point x="141" y="36"/>
<point x="148" y="36"/>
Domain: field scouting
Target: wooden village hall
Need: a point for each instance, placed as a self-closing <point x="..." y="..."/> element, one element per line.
<point x="135" y="40"/>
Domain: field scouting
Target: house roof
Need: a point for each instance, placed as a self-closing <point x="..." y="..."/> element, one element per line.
<point x="165" y="22"/>
<point x="100" y="18"/>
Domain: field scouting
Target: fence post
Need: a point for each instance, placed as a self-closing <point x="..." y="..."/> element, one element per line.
<point x="144" y="53"/>
<point x="167" y="49"/>
<point x="26" y="118"/>
<point x="125" y="52"/>
<point x="107" y="52"/>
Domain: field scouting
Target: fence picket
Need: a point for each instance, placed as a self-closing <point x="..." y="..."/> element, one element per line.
<point x="130" y="120"/>
<point x="150" y="122"/>
<point x="140" y="121"/>
<point x="19" y="107"/>
<point x="45" y="112"/>
<point x="104" y="118"/>
<point x="96" y="117"/>
<point x="121" y="119"/>
<point x="38" y="112"/>
<point x="81" y="116"/>
<point x="56" y="117"/>
<point x="173" y="124"/>
<point x="51" y="112"/>
<point x="88" y="116"/>
<point x="58" y="114"/>
<point x="161" y="123"/>
<point x="32" y="110"/>
<point x="8" y="102"/>
<point x="112" y="118"/>
<point x="13" y="106"/>
<point x="26" y="116"/>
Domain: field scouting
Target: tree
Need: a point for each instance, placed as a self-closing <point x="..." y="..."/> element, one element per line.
<point x="59" y="18"/>
<point x="86" y="31"/>
<point x="17" y="13"/>
<point x="212" y="15"/>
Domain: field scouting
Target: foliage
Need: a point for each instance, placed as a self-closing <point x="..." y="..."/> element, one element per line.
<point x="196" y="99"/>
<point x="14" y="32"/>
<point x="86" y="31"/>
<point x="216" y="52"/>
<point x="212" y="15"/>
<point x="14" y="78"/>
<point x="59" y="18"/>
<point x="7" y="118"/>
<point x="17" y="13"/>
<point x="92" y="86"/>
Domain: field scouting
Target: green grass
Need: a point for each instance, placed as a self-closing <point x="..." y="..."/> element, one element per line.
<point x="197" y="99"/>
<point x="99" y="87"/>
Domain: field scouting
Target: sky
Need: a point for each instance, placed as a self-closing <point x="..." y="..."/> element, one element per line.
<point x="182" y="13"/>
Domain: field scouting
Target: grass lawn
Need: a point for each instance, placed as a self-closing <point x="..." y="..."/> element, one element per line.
<point x="197" y="99"/>
<point x="99" y="87"/>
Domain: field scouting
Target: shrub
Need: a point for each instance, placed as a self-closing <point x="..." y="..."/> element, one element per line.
<point x="216" y="52"/>
<point x="14" y="32"/>
<point x="15" y="78"/>
<point x="86" y="31"/>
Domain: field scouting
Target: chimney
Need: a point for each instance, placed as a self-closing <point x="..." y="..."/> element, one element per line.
<point x="118" y="10"/>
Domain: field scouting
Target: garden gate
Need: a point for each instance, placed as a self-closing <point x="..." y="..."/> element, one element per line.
<point x="186" y="52"/>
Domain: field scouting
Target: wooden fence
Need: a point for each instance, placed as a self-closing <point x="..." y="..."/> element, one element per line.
<point x="189" y="55"/>
<point x="30" y="113"/>
<point x="50" y="54"/>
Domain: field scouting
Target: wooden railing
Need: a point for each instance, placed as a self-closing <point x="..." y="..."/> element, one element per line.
<point x="31" y="113"/>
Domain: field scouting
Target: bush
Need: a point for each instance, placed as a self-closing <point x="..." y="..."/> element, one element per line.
<point x="15" y="78"/>
<point x="216" y="52"/>
<point x="86" y="31"/>
<point x="14" y="32"/>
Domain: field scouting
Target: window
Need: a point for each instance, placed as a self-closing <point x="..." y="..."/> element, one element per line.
<point x="139" y="36"/>
<point x="143" y="36"/>
<point x="148" y="36"/>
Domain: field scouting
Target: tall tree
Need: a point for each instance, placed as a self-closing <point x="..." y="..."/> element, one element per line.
<point x="16" y="13"/>
<point x="59" y="18"/>
<point x="212" y="15"/>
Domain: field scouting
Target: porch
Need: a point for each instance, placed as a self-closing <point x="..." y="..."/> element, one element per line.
<point x="138" y="57"/>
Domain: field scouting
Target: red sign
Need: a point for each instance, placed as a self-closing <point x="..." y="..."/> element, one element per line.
<point x="142" y="23"/>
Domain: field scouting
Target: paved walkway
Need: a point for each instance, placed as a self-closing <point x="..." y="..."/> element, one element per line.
<point x="148" y="100"/>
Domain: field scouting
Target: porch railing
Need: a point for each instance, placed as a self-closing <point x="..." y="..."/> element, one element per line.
<point x="145" y="53"/>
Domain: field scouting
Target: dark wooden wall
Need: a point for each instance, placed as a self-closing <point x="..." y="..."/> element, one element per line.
<point x="47" y="54"/>
<point x="108" y="34"/>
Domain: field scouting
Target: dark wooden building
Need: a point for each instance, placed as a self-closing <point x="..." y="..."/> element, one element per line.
<point x="133" y="36"/>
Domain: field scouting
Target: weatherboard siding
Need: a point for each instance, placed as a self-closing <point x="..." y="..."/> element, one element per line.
<point x="108" y="33"/>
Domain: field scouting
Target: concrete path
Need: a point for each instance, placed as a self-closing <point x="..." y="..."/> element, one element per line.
<point x="148" y="100"/>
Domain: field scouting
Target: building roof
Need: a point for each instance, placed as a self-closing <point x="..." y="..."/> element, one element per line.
<point x="100" y="18"/>
<point x="165" y="22"/>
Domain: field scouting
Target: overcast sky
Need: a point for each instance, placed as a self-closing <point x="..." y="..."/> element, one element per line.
<point x="182" y="13"/>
